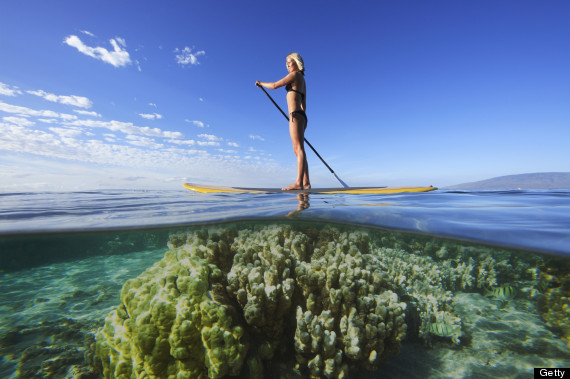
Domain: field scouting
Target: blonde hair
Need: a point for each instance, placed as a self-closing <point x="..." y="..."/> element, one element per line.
<point x="297" y="58"/>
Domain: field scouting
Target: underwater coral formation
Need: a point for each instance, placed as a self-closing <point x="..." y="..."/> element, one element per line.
<point x="348" y="309"/>
<point x="167" y="324"/>
<point x="553" y="295"/>
<point x="226" y="301"/>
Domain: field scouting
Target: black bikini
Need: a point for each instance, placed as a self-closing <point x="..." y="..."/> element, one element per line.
<point x="289" y="89"/>
<point x="298" y="112"/>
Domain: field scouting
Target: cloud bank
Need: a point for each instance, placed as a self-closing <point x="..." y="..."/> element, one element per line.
<point x="83" y="139"/>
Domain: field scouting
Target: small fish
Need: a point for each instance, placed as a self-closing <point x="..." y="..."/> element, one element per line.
<point x="504" y="293"/>
<point x="443" y="329"/>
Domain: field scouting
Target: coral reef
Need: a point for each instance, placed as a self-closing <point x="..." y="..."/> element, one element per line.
<point x="553" y="295"/>
<point x="467" y="267"/>
<point x="228" y="300"/>
<point x="261" y="277"/>
<point x="497" y="343"/>
<point x="168" y="324"/>
<point x="348" y="308"/>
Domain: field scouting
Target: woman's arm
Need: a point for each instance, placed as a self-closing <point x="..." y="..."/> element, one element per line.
<point x="290" y="78"/>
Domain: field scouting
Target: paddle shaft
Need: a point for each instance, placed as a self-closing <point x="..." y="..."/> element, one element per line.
<point x="308" y="143"/>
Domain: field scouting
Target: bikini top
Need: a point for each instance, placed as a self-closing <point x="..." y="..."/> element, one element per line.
<point x="289" y="89"/>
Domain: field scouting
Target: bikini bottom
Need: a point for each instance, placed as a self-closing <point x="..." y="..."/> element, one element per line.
<point x="301" y="113"/>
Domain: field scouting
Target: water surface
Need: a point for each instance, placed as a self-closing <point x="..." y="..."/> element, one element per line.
<point x="66" y="256"/>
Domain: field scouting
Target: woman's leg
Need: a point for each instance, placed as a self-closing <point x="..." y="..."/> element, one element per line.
<point x="306" y="180"/>
<point x="297" y="132"/>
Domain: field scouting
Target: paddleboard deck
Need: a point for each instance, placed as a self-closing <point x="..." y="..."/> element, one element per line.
<point x="354" y="190"/>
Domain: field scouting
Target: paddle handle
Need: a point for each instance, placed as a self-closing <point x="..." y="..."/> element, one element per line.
<point x="308" y="143"/>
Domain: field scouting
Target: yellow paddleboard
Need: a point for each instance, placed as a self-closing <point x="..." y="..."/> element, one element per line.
<point x="355" y="190"/>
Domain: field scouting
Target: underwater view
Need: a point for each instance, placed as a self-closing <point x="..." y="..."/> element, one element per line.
<point x="171" y="201"/>
<point x="130" y="284"/>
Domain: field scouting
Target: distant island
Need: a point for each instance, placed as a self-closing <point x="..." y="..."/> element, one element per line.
<point x="541" y="180"/>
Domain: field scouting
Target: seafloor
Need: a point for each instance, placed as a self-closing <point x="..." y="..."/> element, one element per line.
<point x="290" y="300"/>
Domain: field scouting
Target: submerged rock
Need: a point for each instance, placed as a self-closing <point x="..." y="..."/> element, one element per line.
<point x="48" y="349"/>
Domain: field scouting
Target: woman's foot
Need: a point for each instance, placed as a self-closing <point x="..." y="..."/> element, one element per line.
<point x="294" y="186"/>
<point x="306" y="185"/>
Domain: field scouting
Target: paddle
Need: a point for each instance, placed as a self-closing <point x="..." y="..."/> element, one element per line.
<point x="308" y="143"/>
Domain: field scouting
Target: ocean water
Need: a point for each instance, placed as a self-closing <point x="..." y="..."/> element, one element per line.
<point x="445" y="284"/>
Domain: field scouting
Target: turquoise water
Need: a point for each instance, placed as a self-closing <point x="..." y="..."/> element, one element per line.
<point x="483" y="276"/>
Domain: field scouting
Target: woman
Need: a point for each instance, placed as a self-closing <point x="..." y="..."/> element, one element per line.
<point x="294" y="83"/>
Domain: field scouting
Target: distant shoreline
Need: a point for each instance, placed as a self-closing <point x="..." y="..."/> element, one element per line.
<point x="540" y="180"/>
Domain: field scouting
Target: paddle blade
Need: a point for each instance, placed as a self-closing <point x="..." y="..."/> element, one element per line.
<point x="340" y="180"/>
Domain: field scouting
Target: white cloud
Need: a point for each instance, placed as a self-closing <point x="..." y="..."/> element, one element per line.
<point x="67" y="117"/>
<point x="76" y="101"/>
<point x="48" y="116"/>
<point x="27" y="112"/>
<point x="127" y="128"/>
<point x="152" y="104"/>
<point x="7" y="90"/>
<point x="109" y="137"/>
<point x="256" y="137"/>
<point x="88" y="33"/>
<point x="143" y="142"/>
<point x="66" y="132"/>
<point x="121" y="41"/>
<point x="210" y="137"/>
<point x="62" y="144"/>
<point x="189" y="142"/>
<point x="49" y="120"/>
<point x="20" y="121"/>
<point x="197" y="123"/>
<point x="185" y="56"/>
<point x="151" y="116"/>
<point x="212" y="141"/>
<point x="87" y="113"/>
<point x="207" y="143"/>
<point x="119" y="57"/>
<point x="228" y="151"/>
<point x="76" y="140"/>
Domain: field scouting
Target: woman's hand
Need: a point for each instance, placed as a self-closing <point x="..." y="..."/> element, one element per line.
<point x="258" y="83"/>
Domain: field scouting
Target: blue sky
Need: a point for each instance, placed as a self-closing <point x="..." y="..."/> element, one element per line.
<point x="148" y="94"/>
